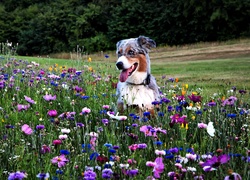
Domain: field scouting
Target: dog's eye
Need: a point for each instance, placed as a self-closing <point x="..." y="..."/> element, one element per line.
<point x="131" y="53"/>
<point x="119" y="54"/>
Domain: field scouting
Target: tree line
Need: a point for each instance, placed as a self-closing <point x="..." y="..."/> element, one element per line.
<point x="52" y="26"/>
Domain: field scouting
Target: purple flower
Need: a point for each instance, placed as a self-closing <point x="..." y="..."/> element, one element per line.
<point x="43" y="176"/>
<point x="79" y="124"/>
<point x="132" y="172"/>
<point x="29" y="100"/>
<point x="142" y="146"/>
<point x="40" y="127"/>
<point x="216" y="161"/>
<point x="107" y="173"/>
<point x="211" y="104"/>
<point x="105" y="121"/>
<point x="17" y="175"/>
<point x="165" y="100"/>
<point x="89" y="175"/>
<point x="173" y="150"/>
<point x="49" y="97"/>
<point x="230" y="101"/>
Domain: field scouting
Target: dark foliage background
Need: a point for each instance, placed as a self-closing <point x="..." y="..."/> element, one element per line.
<point x="52" y="26"/>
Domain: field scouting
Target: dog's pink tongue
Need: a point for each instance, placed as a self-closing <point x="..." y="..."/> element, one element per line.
<point x="124" y="75"/>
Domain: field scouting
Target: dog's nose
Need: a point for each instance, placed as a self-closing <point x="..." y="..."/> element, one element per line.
<point x="119" y="65"/>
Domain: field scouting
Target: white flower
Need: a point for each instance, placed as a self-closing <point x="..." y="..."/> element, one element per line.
<point x="191" y="169"/>
<point x="65" y="131"/>
<point x="160" y="152"/>
<point x="126" y="166"/>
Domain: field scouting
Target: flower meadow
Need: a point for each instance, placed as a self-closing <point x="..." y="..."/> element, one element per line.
<point x="62" y="123"/>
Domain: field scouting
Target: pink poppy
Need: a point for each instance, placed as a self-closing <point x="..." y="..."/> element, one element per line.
<point x="159" y="167"/>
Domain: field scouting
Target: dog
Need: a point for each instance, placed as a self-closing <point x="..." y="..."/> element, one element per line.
<point x="137" y="87"/>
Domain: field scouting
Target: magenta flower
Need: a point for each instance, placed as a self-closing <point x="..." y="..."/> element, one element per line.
<point x="52" y="113"/>
<point x="133" y="147"/>
<point x="26" y="129"/>
<point x="159" y="167"/>
<point x="195" y="98"/>
<point x="60" y="160"/>
<point x="177" y="119"/>
<point x="49" y="97"/>
<point x="57" y="142"/>
<point x="29" y="100"/>
<point x="45" y="149"/>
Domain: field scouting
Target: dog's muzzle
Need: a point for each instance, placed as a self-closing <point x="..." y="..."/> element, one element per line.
<point x="119" y="65"/>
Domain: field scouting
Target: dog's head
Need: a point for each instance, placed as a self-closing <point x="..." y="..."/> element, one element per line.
<point x="133" y="59"/>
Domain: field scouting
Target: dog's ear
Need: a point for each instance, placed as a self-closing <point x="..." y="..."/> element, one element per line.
<point x="118" y="44"/>
<point x="146" y="42"/>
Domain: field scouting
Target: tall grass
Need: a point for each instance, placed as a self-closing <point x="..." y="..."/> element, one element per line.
<point x="71" y="136"/>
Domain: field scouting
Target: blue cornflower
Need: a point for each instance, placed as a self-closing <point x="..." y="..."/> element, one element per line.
<point x="59" y="171"/>
<point x="85" y="97"/>
<point x="231" y="115"/>
<point x="170" y="108"/>
<point x="108" y="145"/>
<point x="161" y="114"/>
<point x="86" y="147"/>
<point x="112" y="150"/>
<point x="43" y="176"/>
<point x="178" y="108"/>
<point x="169" y="156"/>
<point x="146" y="113"/>
<point x="156" y="102"/>
<point x="158" y="143"/>
<point x="93" y="156"/>
<point x="64" y="151"/>
<point x="198" y="112"/>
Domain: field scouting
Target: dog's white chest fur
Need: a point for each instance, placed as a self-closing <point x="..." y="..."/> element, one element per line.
<point x="140" y="95"/>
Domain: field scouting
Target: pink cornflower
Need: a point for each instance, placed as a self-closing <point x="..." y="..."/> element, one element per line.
<point x="202" y="125"/>
<point x="85" y="110"/>
<point x="150" y="164"/>
<point x="105" y="106"/>
<point x="60" y="160"/>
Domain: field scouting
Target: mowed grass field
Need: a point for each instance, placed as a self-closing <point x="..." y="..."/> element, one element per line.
<point x="212" y="66"/>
